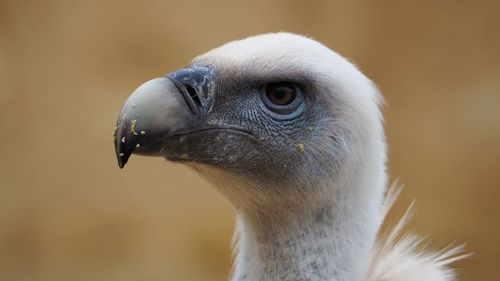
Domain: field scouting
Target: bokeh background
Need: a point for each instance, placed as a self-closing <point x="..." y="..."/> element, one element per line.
<point x="68" y="213"/>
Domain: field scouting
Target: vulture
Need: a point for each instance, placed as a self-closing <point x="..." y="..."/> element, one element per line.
<point x="291" y="133"/>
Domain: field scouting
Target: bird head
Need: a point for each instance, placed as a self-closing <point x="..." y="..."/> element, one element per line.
<point x="275" y="115"/>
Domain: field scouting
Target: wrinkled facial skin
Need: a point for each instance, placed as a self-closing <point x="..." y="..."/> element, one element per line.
<point x="259" y="146"/>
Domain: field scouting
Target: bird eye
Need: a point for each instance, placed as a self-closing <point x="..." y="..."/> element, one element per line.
<point x="281" y="93"/>
<point x="283" y="98"/>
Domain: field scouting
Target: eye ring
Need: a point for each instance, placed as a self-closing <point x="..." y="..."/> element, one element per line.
<point x="282" y="99"/>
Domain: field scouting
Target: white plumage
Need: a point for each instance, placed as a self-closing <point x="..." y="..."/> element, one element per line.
<point x="399" y="256"/>
<point x="309" y="194"/>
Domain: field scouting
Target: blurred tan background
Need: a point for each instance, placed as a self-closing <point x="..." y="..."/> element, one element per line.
<point x="68" y="213"/>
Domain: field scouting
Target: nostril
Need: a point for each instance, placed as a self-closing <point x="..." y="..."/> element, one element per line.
<point x="196" y="86"/>
<point x="194" y="96"/>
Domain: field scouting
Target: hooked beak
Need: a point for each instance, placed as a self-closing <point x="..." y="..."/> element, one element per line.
<point x="161" y="108"/>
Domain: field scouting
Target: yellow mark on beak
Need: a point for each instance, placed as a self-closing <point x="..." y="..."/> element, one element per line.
<point x="132" y="127"/>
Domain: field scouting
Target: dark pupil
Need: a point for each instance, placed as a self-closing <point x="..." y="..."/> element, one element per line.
<point x="281" y="94"/>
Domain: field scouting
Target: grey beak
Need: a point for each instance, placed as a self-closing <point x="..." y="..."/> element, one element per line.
<point x="153" y="111"/>
<point x="160" y="108"/>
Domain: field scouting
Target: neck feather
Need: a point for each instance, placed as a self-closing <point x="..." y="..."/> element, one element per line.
<point x="328" y="238"/>
<point x="324" y="235"/>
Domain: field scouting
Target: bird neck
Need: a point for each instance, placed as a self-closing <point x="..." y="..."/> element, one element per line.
<point x="325" y="238"/>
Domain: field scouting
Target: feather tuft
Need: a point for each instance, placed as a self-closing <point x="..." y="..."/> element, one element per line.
<point x="399" y="256"/>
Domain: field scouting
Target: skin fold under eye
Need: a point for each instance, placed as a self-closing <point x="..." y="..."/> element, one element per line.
<point x="282" y="100"/>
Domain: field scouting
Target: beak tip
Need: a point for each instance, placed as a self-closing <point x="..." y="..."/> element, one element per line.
<point x="122" y="156"/>
<point x="123" y="159"/>
<point x="122" y="151"/>
<point x="121" y="164"/>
